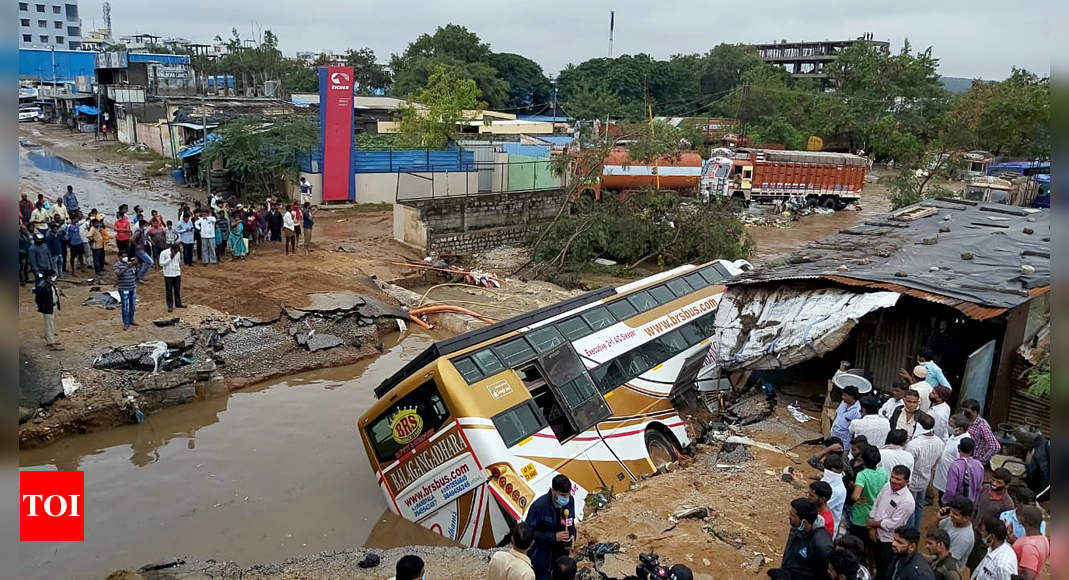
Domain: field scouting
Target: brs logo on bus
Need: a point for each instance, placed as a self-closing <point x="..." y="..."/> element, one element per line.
<point x="406" y="425"/>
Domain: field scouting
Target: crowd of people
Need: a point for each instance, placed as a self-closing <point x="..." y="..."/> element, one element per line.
<point x="864" y="515"/>
<point x="57" y="238"/>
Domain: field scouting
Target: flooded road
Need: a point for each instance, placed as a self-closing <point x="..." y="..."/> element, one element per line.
<point x="270" y="472"/>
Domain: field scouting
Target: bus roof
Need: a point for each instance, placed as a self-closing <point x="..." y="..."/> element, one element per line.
<point x="481" y="335"/>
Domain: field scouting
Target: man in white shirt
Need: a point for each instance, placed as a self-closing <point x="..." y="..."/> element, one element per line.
<point x="921" y="385"/>
<point x="940" y="411"/>
<point x="206" y="225"/>
<point x="870" y="424"/>
<point x="926" y="449"/>
<point x="905" y="417"/>
<point x="959" y="426"/>
<point x="894" y="452"/>
<point x="171" y="262"/>
<point x="892" y="508"/>
<point x="833" y="475"/>
<point x="898" y="390"/>
<point x="514" y="564"/>
<point x="1000" y="562"/>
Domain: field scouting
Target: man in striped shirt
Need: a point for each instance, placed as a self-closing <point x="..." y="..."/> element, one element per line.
<point x="987" y="444"/>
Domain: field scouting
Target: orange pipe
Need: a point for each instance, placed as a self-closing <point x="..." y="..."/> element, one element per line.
<point x="451" y="308"/>
<point x="419" y="323"/>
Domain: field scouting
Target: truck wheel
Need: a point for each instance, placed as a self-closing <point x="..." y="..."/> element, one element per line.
<point x="829" y="203"/>
<point x="739" y="200"/>
<point x="812" y="201"/>
<point x="660" y="449"/>
<point x="585" y="202"/>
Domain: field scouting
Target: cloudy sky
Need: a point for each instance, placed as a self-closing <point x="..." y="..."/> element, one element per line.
<point x="976" y="38"/>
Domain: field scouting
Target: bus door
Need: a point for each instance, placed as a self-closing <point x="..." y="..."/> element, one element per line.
<point x="571" y="404"/>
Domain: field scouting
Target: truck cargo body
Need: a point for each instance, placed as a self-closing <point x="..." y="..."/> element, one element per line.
<point x="826" y="179"/>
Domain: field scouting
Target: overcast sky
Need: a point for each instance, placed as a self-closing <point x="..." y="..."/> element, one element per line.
<point x="975" y="38"/>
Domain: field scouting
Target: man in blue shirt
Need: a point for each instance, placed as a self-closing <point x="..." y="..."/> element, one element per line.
<point x="848" y="410"/>
<point x="935" y="376"/>
<point x="184" y="229"/>
<point x="552" y="517"/>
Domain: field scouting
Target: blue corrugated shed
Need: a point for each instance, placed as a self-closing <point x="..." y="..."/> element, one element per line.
<point x="558" y="140"/>
<point x="541" y="151"/>
<point x="421" y="161"/>
<point x="36" y="63"/>
<point x="543" y="118"/>
<point x="161" y="58"/>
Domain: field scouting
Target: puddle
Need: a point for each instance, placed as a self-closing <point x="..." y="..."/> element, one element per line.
<point x="49" y="162"/>
<point x="268" y="473"/>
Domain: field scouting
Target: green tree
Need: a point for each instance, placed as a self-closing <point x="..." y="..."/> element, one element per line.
<point x="261" y="154"/>
<point x="455" y="48"/>
<point x="1011" y="117"/>
<point x="443" y="103"/>
<point x="528" y="87"/>
<point x="370" y="75"/>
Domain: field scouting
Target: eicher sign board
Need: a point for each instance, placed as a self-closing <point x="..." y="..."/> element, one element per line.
<point x="336" y="87"/>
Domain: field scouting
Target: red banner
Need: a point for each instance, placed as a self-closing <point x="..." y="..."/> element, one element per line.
<point x="336" y="87"/>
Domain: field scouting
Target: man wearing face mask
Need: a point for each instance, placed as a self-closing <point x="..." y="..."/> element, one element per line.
<point x="808" y="546"/>
<point x="893" y="508"/>
<point x="552" y="517"/>
<point x="992" y="500"/>
<point x="1000" y="561"/>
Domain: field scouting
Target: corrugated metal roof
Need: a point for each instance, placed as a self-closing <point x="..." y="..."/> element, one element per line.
<point x="969" y="309"/>
<point x="979" y="258"/>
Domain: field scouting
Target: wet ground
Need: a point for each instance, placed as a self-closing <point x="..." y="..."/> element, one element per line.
<point x="270" y="472"/>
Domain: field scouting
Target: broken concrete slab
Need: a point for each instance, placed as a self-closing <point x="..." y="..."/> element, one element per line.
<point x="39" y="380"/>
<point x="321" y="341"/>
<point x="145" y="357"/>
<point x="167" y="321"/>
<point x="334" y="301"/>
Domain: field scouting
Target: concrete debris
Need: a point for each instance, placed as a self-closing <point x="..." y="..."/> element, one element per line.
<point x="733" y="454"/>
<point x="750" y="409"/>
<point x="787" y="475"/>
<point x="797" y="413"/>
<point x="699" y="512"/>
<point x="145" y="357"/>
<point x="728" y="536"/>
<point x="172" y="563"/>
<point x="322" y="341"/>
<point x="171" y="321"/>
<point x="70" y="385"/>
<point x="604" y="262"/>
<point x="369" y="561"/>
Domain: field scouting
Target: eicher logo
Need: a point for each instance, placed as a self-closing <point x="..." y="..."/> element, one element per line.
<point x="51" y="506"/>
<point x="406" y="425"/>
<point x="340" y="81"/>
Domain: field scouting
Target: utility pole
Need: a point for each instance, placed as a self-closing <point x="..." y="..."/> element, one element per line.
<point x="204" y="125"/>
<point x="55" y="101"/>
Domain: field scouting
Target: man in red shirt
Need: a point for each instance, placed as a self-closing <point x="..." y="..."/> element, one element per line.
<point x="819" y="494"/>
<point x="123" y="233"/>
<point x="1033" y="549"/>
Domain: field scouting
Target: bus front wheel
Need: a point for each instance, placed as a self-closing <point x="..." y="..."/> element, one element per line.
<point x="660" y="449"/>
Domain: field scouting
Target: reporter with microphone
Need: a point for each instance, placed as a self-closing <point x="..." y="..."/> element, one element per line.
<point x="552" y="517"/>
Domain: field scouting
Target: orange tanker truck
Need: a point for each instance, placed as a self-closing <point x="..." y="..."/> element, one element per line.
<point x="830" y="180"/>
<point x="619" y="175"/>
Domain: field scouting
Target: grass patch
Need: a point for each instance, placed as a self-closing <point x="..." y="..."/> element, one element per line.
<point x="138" y="154"/>
<point x="157" y="167"/>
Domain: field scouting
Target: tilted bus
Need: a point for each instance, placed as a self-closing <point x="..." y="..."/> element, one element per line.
<point x="465" y="436"/>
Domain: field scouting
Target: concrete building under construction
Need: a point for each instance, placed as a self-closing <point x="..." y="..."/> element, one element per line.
<point x="807" y="59"/>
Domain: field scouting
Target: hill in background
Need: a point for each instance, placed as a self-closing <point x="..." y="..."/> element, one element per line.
<point x="956" y="84"/>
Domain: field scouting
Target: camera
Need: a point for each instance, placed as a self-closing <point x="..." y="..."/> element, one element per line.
<point x="649" y="567"/>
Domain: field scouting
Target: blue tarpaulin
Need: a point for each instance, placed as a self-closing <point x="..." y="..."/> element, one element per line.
<point x="86" y="110"/>
<point x="197" y="147"/>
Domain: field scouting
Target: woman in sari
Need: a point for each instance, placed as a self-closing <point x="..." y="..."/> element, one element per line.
<point x="237" y="241"/>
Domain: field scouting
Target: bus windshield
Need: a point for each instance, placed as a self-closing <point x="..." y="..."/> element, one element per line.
<point x="409" y="421"/>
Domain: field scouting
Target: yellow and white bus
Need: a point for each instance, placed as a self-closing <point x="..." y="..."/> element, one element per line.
<point x="465" y="436"/>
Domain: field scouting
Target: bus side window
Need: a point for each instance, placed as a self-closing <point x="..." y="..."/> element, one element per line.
<point x="691" y="333"/>
<point x="712" y="275"/>
<point x="515" y="352"/>
<point x="695" y="280"/>
<point x="679" y="287"/>
<point x="468" y="369"/>
<point x="545" y="339"/>
<point x="599" y="318"/>
<point x="519" y="423"/>
<point x="574" y="328"/>
<point x="706" y="324"/>
<point x="642" y="301"/>
<point x="674" y="342"/>
<point x="488" y="362"/>
<point x="621" y="309"/>
<point x="662" y="294"/>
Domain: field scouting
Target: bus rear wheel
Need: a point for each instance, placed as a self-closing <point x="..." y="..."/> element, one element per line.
<point x="660" y="449"/>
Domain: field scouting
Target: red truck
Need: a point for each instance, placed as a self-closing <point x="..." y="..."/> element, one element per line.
<point x="830" y="180"/>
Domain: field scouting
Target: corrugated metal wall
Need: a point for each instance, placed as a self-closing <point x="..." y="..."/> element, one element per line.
<point x="1025" y="407"/>
<point x="37" y="64"/>
<point x="420" y="160"/>
<point x="885" y="342"/>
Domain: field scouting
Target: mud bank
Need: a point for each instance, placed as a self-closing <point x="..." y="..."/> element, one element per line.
<point x="440" y="562"/>
<point x="203" y="354"/>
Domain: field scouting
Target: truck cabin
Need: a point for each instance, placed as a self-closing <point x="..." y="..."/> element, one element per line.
<point x="989" y="189"/>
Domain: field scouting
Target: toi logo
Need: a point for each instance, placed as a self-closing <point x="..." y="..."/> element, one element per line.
<point x="51" y="506"/>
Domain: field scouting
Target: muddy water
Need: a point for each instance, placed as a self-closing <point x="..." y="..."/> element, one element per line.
<point x="267" y="473"/>
<point x="771" y="241"/>
<point x="41" y="171"/>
